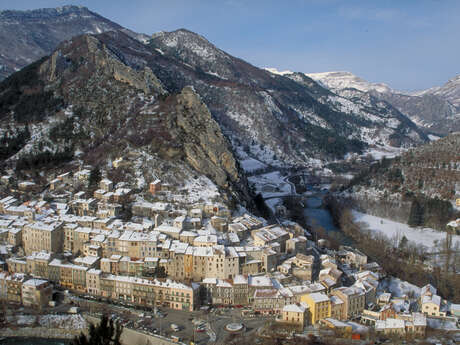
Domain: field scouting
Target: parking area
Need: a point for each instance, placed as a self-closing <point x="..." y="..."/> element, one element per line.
<point x="201" y="326"/>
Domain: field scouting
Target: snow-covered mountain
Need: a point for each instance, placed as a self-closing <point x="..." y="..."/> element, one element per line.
<point x="450" y="91"/>
<point x="345" y="80"/>
<point x="281" y="118"/>
<point x="437" y="110"/>
<point x="26" y="36"/>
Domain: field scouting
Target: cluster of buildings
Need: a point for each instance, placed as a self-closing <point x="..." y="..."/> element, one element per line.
<point x="181" y="257"/>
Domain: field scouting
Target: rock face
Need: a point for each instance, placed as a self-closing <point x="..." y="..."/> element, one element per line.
<point x="110" y="105"/>
<point x="205" y="147"/>
<point x="26" y="36"/>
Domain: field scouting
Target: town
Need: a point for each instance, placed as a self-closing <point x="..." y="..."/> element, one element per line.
<point x="114" y="244"/>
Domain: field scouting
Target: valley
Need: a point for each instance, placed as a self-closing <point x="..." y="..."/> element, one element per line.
<point x="175" y="188"/>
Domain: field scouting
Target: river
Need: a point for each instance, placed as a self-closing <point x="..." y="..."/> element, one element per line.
<point x="318" y="215"/>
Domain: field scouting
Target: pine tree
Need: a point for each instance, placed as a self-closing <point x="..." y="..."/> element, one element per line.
<point x="416" y="214"/>
<point x="106" y="333"/>
<point x="94" y="176"/>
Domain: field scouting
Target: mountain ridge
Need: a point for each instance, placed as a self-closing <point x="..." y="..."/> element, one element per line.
<point x="436" y="110"/>
<point x="29" y="35"/>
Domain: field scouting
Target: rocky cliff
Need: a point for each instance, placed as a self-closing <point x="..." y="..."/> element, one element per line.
<point x="107" y="106"/>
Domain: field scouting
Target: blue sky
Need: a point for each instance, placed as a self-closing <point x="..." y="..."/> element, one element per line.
<point x="408" y="44"/>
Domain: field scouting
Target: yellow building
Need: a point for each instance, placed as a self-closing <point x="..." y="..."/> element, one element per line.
<point x="319" y="306"/>
<point x="338" y="326"/>
<point x="431" y="305"/>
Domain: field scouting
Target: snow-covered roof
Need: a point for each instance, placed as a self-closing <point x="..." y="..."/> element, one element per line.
<point x="319" y="297"/>
<point x="295" y="308"/>
<point x="389" y="323"/>
<point x="240" y="279"/>
<point x="35" y="282"/>
<point x="435" y="299"/>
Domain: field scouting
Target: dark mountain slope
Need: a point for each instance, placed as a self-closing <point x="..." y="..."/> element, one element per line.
<point x="26" y="36"/>
<point x="100" y="106"/>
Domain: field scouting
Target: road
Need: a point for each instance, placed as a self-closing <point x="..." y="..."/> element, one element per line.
<point x="146" y="321"/>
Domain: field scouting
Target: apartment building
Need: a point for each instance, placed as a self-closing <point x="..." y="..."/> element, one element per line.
<point x="295" y="314"/>
<point x="166" y="293"/>
<point x="319" y="306"/>
<point x="14" y="287"/>
<point x="353" y="298"/>
<point x="40" y="236"/>
<point x="36" y="293"/>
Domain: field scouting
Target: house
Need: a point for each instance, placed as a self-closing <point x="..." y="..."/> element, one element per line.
<point x="155" y="187"/>
<point x="319" y="306"/>
<point x="106" y="185"/>
<point x="295" y="314"/>
<point x="36" y="293"/>
<point x="28" y="186"/>
<point x="391" y="327"/>
<point x="338" y="326"/>
<point x="384" y="298"/>
<point x="431" y="305"/>
<point x="354" y="299"/>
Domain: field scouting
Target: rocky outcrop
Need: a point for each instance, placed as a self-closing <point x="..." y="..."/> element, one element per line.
<point x="104" y="61"/>
<point x="116" y="102"/>
<point x="205" y="147"/>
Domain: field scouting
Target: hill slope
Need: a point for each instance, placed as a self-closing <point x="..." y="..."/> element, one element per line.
<point x="419" y="187"/>
<point x="280" y="120"/>
<point x="85" y="98"/>
<point x="26" y="36"/>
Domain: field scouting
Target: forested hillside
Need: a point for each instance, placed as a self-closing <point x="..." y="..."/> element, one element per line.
<point x="419" y="187"/>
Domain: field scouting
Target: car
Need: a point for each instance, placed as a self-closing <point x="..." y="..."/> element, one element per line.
<point x="199" y="330"/>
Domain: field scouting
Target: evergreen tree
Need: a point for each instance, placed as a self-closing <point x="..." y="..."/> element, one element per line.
<point x="94" y="176"/>
<point x="416" y="214"/>
<point x="106" y="333"/>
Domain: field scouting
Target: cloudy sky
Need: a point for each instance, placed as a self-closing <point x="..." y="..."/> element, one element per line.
<point x="408" y="44"/>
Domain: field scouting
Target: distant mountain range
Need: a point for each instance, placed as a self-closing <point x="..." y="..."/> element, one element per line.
<point x="437" y="110"/>
<point x="290" y="120"/>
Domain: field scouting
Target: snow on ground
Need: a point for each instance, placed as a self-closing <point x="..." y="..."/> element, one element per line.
<point x="398" y="287"/>
<point x="433" y="137"/>
<point x="421" y="236"/>
<point x="272" y="203"/>
<point x="384" y="151"/>
<point x="25" y="320"/>
<point x="441" y="324"/>
<point x="199" y="189"/>
<point x="271" y="184"/>
<point x="63" y="321"/>
<point x="251" y="164"/>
